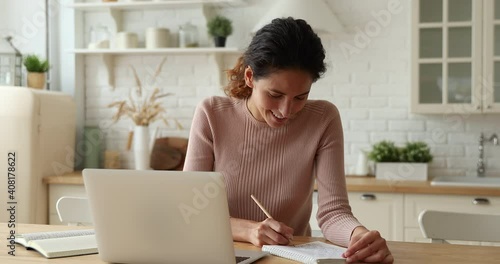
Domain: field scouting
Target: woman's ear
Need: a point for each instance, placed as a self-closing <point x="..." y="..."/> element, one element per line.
<point x="249" y="76"/>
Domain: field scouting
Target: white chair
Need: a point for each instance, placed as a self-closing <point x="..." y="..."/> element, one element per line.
<point x="74" y="210"/>
<point x="442" y="226"/>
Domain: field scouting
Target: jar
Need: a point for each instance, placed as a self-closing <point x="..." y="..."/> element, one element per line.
<point x="188" y="36"/>
<point x="157" y="38"/>
<point x="126" y="40"/>
<point x="99" y="37"/>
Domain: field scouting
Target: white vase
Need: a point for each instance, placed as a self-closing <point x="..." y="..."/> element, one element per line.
<point x="141" y="148"/>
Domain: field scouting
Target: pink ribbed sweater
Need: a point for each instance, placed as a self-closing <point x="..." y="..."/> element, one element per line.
<point x="277" y="165"/>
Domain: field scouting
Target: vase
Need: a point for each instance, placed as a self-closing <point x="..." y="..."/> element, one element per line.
<point x="141" y="148"/>
<point x="36" y="80"/>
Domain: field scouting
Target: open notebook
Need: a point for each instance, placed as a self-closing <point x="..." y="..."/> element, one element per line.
<point x="314" y="252"/>
<point x="60" y="243"/>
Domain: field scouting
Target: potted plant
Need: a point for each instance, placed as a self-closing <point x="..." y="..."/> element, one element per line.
<point x="407" y="163"/>
<point x="36" y="68"/>
<point x="220" y="28"/>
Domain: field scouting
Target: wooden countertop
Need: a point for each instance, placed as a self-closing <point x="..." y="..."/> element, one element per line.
<point x="403" y="252"/>
<point x="354" y="184"/>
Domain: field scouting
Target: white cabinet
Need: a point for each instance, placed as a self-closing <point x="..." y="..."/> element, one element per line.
<point x="414" y="204"/>
<point x="395" y="215"/>
<point x="379" y="211"/>
<point x="456" y="56"/>
<point x="57" y="191"/>
<point x="313" y="222"/>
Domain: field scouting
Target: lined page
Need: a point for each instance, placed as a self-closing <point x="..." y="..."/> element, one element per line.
<point x="307" y="253"/>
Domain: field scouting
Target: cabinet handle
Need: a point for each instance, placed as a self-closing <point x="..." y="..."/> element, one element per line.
<point x="481" y="201"/>
<point x="368" y="197"/>
<point x="478" y="107"/>
<point x="488" y="106"/>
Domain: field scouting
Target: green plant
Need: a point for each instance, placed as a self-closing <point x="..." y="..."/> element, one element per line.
<point x="219" y="26"/>
<point x="416" y="152"/>
<point x="384" y="151"/>
<point x="34" y="64"/>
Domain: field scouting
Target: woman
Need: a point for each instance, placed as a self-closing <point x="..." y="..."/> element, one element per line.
<point x="267" y="139"/>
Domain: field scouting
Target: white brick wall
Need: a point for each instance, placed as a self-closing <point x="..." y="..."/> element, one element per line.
<point x="370" y="88"/>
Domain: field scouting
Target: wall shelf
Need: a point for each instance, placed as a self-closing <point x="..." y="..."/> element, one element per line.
<point x="170" y="51"/>
<point x="107" y="56"/>
<point x="96" y="6"/>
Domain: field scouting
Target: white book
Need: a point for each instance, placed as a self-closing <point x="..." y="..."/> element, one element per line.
<point x="313" y="252"/>
<point x="60" y="243"/>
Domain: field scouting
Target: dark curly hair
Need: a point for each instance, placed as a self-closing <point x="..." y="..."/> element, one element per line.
<point x="285" y="43"/>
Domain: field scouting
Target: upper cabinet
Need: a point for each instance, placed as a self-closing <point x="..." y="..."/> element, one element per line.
<point x="456" y="56"/>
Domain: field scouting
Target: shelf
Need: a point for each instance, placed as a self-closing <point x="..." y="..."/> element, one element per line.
<point x="107" y="56"/>
<point x="173" y="51"/>
<point x="150" y="4"/>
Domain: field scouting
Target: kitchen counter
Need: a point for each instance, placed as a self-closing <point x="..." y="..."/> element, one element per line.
<point x="354" y="184"/>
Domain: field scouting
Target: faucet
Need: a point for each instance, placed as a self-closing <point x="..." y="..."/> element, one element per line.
<point x="480" y="163"/>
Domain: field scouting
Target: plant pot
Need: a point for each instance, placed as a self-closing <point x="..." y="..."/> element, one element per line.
<point x="220" y="41"/>
<point x="401" y="171"/>
<point x="36" y="80"/>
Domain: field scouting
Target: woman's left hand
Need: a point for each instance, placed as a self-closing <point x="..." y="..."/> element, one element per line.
<point x="368" y="246"/>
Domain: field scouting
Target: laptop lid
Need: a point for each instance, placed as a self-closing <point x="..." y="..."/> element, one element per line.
<point x="160" y="216"/>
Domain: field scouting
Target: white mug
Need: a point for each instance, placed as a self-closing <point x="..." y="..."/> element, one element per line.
<point x="157" y="38"/>
<point x="126" y="40"/>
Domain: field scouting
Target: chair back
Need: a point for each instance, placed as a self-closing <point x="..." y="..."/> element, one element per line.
<point x="441" y="226"/>
<point x="74" y="210"/>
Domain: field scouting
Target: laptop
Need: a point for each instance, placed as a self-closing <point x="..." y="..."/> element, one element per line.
<point x="162" y="217"/>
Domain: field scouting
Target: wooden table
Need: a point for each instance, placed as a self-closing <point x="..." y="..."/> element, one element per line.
<point x="404" y="252"/>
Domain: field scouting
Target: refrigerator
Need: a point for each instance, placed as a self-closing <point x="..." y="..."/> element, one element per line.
<point x="37" y="139"/>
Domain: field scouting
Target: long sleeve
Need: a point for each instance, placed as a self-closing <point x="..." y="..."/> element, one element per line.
<point x="200" y="152"/>
<point x="334" y="214"/>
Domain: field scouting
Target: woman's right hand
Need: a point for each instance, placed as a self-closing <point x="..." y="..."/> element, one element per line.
<point x="267" y="232"/>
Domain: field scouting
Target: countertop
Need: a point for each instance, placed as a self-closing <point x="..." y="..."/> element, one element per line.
<point x="354" y="184"/>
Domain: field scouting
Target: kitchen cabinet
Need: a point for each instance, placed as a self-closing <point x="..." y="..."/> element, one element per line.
<point x="416" y="203"/>
<point x="379" y="211"/>
<point x="456" y="56"/>
<point x="57" y="191"/>
<point x="395" y="215"/>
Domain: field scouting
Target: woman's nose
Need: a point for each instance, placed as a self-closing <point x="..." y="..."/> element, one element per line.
<point x="286" y="109"/>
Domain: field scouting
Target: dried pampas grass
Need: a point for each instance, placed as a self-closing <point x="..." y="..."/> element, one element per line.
<point x="143" y="109"/>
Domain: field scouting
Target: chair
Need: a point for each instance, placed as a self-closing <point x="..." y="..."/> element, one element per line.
<point x="442" y="226"/>
<point x="74" y="210"/>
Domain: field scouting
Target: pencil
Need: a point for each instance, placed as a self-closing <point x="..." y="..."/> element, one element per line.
<point x="267" y="214"/>
<point x="261" y="206"/>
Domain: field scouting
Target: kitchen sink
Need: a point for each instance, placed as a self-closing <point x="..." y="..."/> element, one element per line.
<point x="466" y="181"/>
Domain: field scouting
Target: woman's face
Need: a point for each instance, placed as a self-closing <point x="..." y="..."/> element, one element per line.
<point x="278" y="97"/>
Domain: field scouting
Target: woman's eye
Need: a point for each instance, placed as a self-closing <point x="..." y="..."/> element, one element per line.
<point x="301" y="98"/>
<point x="275" y="95"/>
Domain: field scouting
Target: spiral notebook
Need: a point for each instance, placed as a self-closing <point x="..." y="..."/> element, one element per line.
<point x="60" y="243"/>
<point x="313" y="252"/>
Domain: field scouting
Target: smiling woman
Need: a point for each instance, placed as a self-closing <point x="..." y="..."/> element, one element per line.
<point x="269" y="140"/>
<point x="279" y="97"/>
